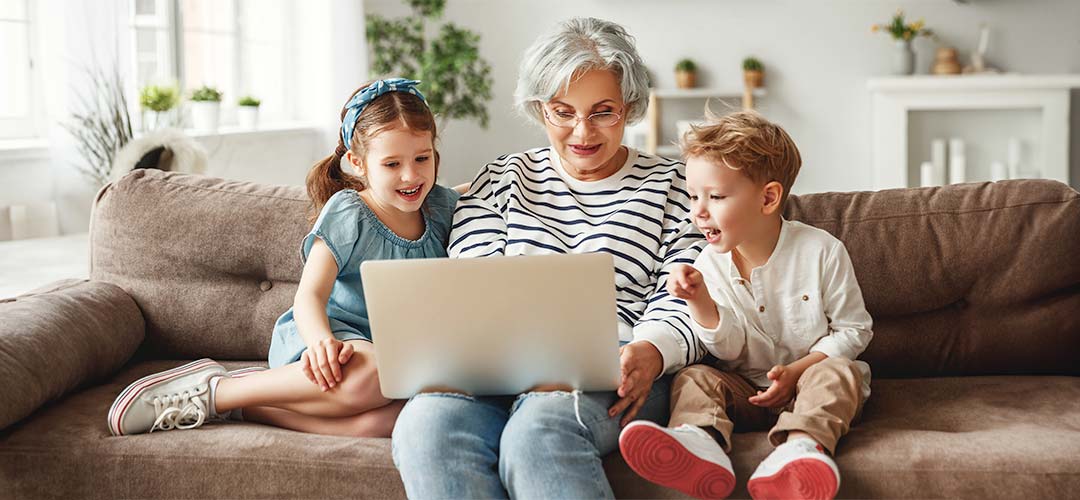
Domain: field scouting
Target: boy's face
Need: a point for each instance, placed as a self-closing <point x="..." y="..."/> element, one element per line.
<point x="725" y="204"/>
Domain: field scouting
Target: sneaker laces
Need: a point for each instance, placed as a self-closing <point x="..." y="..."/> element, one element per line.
<point x="184" y="410"/>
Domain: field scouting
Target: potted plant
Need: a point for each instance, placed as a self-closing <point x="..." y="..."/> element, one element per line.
<point x="685" y="74"/>
<point x="903" y="33"/>
<point x="156" y="102"/>
<point x="205" y="108"/>
<point x="248" y="112"/>
<point x="446" y="59"/>
<point x="753" y="73"/>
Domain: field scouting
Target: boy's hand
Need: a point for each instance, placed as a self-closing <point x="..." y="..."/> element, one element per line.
<point x="782" y="389"/>
<point x="686" y="283"/>
<point x="322" y="362"/>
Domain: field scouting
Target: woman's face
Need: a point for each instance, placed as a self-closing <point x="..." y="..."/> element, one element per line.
<point x="589" y="148"/>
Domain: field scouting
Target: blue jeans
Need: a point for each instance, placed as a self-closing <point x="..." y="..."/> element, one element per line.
<point x="532" y="446"/>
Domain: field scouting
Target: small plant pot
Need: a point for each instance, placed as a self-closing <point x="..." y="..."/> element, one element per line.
<point x="754" y="78"/>
<point x="248" y="117"/>
<point x="153" y="120"/>
<point x="205" y="115"/>
<point x="686" y="79"/>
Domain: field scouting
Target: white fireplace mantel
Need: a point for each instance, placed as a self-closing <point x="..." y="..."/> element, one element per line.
<point x="894" y="98"/>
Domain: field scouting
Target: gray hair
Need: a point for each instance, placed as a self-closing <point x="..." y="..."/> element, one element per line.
<point x="581" y="44"/>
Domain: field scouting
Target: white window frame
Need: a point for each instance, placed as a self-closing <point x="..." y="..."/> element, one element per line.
<point x="26" y="126"/>
<point x="173" y="33"/>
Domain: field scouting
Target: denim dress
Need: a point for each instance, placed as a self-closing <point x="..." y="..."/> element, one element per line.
<point x="354" y="234"/>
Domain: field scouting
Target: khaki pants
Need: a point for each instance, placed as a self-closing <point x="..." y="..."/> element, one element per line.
<point x="827" y="400"/>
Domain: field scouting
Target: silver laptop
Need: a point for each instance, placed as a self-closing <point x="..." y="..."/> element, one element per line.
<point x="493" y="326"/>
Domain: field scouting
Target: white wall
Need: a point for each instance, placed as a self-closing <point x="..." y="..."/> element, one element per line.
<point x="818" y="56"/>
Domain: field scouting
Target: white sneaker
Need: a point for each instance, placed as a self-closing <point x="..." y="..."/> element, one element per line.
<point x="173" y="399"/>
<point x="798" y="468"/>
<point x="685" y="458"/>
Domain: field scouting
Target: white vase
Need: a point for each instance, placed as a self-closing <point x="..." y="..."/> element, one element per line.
<point x="248" y="117"/>
<point x="903" y="58"/>
<point x="205" y="115"/>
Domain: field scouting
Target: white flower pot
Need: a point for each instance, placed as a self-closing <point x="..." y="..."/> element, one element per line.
<point x="152" y="120"/>
<point x="248" y="117"/>
<point x="205" y="115"/>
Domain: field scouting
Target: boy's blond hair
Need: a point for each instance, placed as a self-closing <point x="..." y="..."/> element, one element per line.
<point x="747" y="142"/>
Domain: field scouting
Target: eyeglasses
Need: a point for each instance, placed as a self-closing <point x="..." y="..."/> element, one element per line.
<point x="570" y="120"/>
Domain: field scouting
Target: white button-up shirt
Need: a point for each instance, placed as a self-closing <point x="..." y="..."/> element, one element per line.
<point x="803" y="299"/>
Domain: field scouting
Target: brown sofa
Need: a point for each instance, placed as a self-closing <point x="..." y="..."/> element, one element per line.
<point x="974" y="289"/>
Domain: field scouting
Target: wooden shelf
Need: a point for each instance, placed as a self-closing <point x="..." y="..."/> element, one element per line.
<point x="652" y="141"/>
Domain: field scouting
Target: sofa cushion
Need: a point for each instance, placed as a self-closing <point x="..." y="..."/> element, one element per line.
<point x="59" y="337"/>
<point x="212" y="263"/>
<point x="963" y="437"/>
<point x="963" y="279"/>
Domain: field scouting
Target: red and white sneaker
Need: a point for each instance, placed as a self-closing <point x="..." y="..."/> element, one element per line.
<point x="179" y="398"/>
<point x="799" y="468"/>
<point x="685" y="458"/>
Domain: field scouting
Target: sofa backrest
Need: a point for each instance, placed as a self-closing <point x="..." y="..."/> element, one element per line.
<point x="212" y="263"/>
<point x="980" y="278"/>
<point x="966" y="279"/>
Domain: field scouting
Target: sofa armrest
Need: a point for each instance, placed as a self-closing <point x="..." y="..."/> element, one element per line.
<point x="56" y="338"/>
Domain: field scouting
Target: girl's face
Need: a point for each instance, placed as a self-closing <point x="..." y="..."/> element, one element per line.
<point x="399" y="168"/>
<point x="589" y="148"/>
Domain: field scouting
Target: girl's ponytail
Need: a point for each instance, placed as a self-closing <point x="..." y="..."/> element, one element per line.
<point x="327" y="178"/>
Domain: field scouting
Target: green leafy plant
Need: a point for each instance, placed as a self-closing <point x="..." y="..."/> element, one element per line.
<point x="752" y="64"/>
<point x="901" y="30"/>
<point x="686" y="65"/>
<point x="158" y="98"/>
<point x="206" y="93"/>
<point x="103" y="125"/>
<point x="248" y="101"/>
<point x="454" y="78"/>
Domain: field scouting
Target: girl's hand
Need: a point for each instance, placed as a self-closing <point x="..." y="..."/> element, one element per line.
<point x="641" y="364"/>
<point x="782" y="389"/>
<point x="686" y="283"/>
<point x="322" y="362"/>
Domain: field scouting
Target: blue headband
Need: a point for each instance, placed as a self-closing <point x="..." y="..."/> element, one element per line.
<point x="360" y="101"/>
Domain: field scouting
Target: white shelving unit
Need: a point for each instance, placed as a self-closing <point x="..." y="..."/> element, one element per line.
<point x="658" y="96"/>
<point x="1039" y="104"/>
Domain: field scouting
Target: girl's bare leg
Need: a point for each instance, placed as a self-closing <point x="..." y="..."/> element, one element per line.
<point x="287" y="388"/>
<point x="373" y="423"/>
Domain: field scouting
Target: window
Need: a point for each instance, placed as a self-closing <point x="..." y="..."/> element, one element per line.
<point x="16" y="92"/>
<point x="237" y="46"/>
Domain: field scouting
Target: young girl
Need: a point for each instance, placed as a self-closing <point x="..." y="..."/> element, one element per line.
<point x="322" y="375"/>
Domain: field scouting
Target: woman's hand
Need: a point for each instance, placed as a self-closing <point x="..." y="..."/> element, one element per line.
<point x="641" y="363"/>
<point x="322" y="362"/>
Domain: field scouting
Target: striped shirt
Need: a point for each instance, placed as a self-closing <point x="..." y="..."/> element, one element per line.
<point x="527" y="204"/>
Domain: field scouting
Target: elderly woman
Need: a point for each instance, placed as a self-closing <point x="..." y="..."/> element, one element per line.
<point x="585" y="192"/>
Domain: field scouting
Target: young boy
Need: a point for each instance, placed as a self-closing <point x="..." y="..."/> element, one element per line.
<point x="777" y="303"/>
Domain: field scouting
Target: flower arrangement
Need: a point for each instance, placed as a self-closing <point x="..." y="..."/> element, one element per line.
<point x="901" y="30"/>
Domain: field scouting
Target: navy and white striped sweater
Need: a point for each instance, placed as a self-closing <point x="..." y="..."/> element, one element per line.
<point x="526" y="204"/>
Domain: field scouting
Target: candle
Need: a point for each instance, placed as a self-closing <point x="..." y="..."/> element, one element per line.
<point x="937" y="157"/>
<point x="957" y="161"/>
<point x="997" y="171"/>
<point x="1014" y="152"/>
<point x="926" y="174"/>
